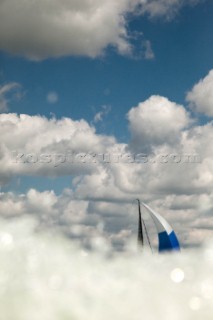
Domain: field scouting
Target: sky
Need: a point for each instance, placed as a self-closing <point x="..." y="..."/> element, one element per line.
<point x="104" y="78"/>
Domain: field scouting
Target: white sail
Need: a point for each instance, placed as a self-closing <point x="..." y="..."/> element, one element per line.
<point x="167" y="238"/>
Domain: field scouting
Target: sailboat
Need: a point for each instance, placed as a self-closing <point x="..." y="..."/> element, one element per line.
<point x="167" y="239"/>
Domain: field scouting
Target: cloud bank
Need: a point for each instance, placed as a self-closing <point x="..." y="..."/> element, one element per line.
<point x="99" y="199"/>
<point x="47" y="277"/>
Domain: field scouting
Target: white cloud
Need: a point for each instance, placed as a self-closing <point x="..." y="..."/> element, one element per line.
<point x="101" y="114"/>
<point x="201" y="95"/>
<point x="37" y="136"/>
<point x="102" y="192"/>
<point x="49" y="278"/>
<point x="165" y="8"/>
<point x="4" y="91"/>
<point x="82" y="221"/>
<point x="41" y="29"/>
<point x="148" y="52"/>
<point x="155" y="122"/>
<point x="116" y="222"/>
<point x="181" y="191"/>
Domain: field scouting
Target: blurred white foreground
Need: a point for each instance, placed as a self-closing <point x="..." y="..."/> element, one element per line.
<point x="43" y="277"/>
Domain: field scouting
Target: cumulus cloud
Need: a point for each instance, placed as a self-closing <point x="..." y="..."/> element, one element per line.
<point x="182" y="192"/>
<point x="101" y="196"/>
<point x="156" y="121"/>
<point x="5" y="90"/>
<point x="82" y="221"/>
<point x="35" y="145"/>
<point x="201" y="95"/>
<point x="87" y="222"/>
<point x="179" y="188"/>
<point x="103" y="192"/>
<point x="41" y="29"/>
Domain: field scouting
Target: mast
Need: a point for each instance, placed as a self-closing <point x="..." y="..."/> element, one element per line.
<point x="140" y="226"/>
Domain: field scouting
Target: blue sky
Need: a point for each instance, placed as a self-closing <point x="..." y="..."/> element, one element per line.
<point x="112" y="65"/>
<point x="183" y="51"/>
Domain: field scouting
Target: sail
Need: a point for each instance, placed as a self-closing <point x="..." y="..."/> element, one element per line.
<point x="167" y="238"/>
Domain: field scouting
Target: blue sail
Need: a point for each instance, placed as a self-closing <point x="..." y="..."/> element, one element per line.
<point x="167" y="238"/>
